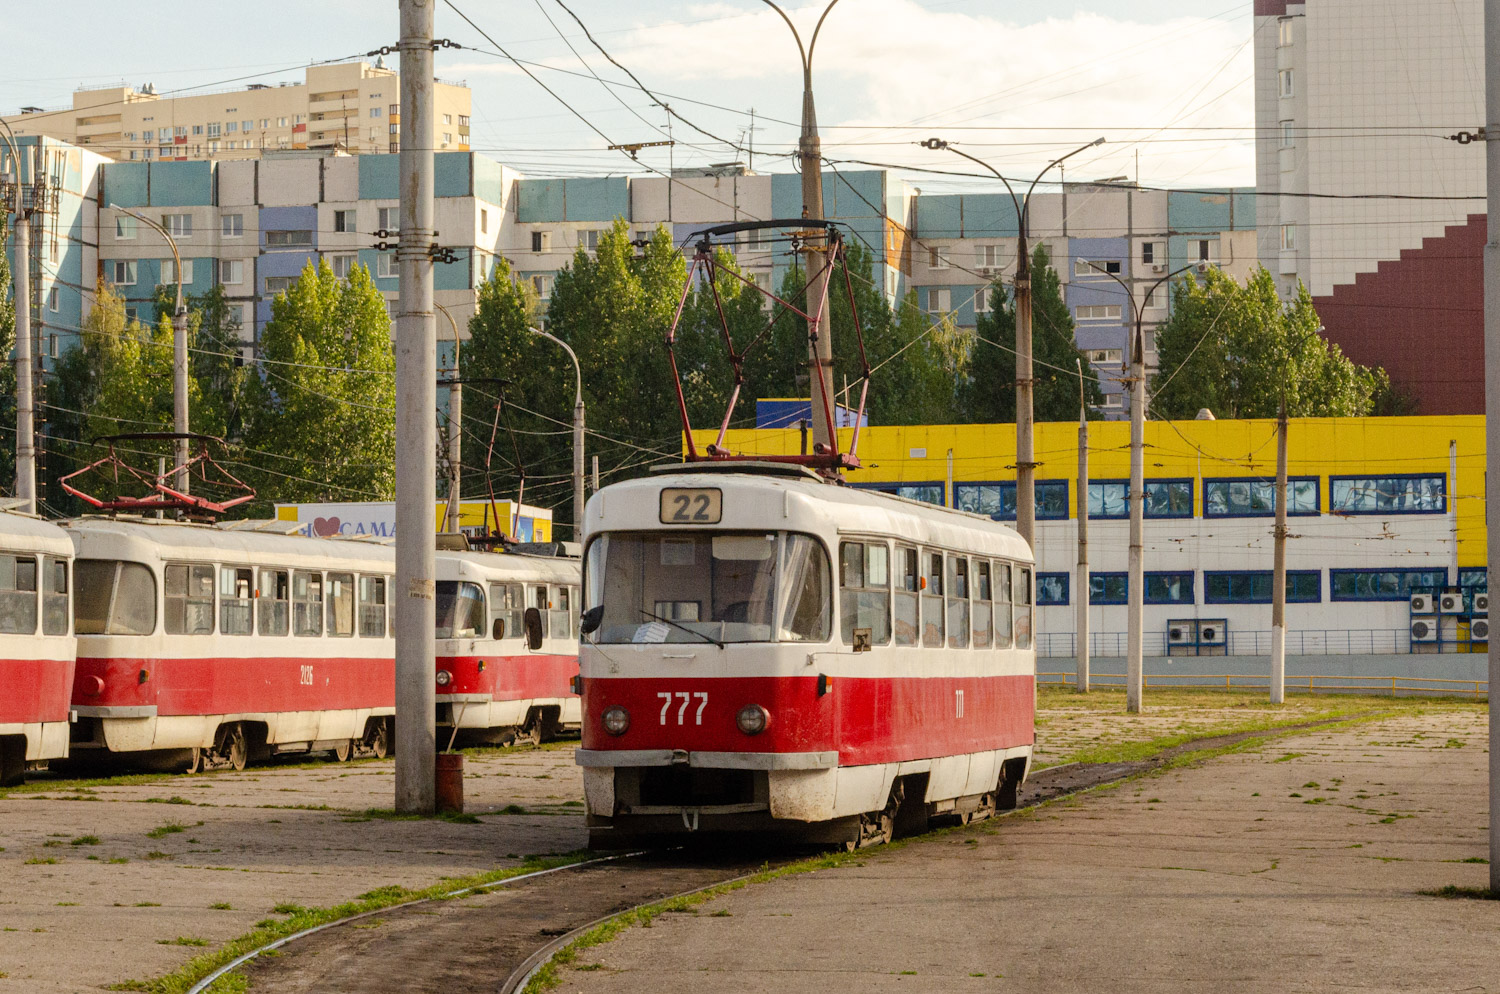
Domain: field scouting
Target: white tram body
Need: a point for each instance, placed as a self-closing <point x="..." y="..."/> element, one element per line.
<point x="228" y="640"/>
<point x="36" y="642"/>
<point x="489" y="677"/>
<point x="730" y="685"/>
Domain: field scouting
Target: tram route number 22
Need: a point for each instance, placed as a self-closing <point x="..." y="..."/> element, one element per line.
<point x="686" y="698"/>
<point x="691" y="505"/>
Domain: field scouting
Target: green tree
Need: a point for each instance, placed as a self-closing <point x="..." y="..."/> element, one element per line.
<point x="1236" y="350"/>
<point x="214" y="360"/>
<point x="990" y="393"/>
<point x="321" y="422"/>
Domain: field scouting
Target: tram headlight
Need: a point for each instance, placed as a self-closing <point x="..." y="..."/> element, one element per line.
<point x="615" y="720"/>
<point x="752" y="719"/>
<point x="444" y="678"/>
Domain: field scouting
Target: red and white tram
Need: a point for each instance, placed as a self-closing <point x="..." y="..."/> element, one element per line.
<point x="221" y="644"/>
<point x="497" y="675"/>
<point x="36" y="642"/>
<point x="729" y="685"/>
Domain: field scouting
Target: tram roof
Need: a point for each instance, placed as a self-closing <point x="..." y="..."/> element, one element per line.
<point x="21" y="532"/>
<point x="803" y="502"/>
<point x="190" y="540"/>
<point x="506" y="566"/>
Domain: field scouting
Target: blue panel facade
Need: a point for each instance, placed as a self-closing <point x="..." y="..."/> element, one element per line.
<point x="604" y="198"/>
<point x="379" y="177"/>
<point x="539" y="200"/>
<point x="301" y="218"/>
<point x="451" y="174"/>
<point x="181" y="184"/>
<point x="1205" y="211"/>
<point x="489" y="180"/>
<point x="125" y="184"/>
<point x="370" y="259"/>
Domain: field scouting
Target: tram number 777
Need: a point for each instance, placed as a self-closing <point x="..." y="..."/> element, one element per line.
<point x="686" y="698"/>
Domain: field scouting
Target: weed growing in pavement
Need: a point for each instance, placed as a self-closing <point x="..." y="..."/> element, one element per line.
<point x="221" y="906"/>
<point x="170" y="828"/>
<point x="1473" y="893"/>
<point x="182" y="940"/>
<point x="40" y="862"/>
<point x="85" y="840"/>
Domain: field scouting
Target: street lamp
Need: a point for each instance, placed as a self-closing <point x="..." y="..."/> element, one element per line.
<point x="455" y="426"/>
<point x="577" y="436"/>
<point x="179" y="356"/>
<point x="815" y="242"/>
<point x="1025" y="449"/>
<point x="1136" y="592"/>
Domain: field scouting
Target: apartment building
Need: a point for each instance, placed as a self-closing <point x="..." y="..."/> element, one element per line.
<point x="1362" y="196"/>
<point x="354" y="106"/>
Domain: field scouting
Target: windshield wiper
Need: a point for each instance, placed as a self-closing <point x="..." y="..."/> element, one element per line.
<point x="706" y="638"/>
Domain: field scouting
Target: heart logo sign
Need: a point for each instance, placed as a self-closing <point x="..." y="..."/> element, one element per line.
<point x="326" y="526"/>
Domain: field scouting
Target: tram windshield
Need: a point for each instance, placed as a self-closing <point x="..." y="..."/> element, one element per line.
<point x="710" y="587"/>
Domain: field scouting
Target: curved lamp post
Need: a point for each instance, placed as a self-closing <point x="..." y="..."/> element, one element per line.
<point x="577" y="435"/>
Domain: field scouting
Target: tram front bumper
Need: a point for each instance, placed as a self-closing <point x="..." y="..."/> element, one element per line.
<point x="610" y="758"/>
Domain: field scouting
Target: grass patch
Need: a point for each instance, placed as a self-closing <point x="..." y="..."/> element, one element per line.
<point x="1469" y="893"/>
<point x="221" y="906"/>
<point x="40" y="862"/>
<point x="183" y="940"/>
<point x="170" y="828"/>
<point x="85" y="840"/>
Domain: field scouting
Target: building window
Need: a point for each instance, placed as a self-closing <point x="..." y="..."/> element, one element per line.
<point x="1383" y="585"/>
<point x="463" y="120"/>
<point x="278" y="284"/>
<point x="123" y="272"/>
<point x="927" y="493"/>
<point x="177" y="225"/>
<point x="169" y="272"/>
<point x="1283" y="32"/>
<point x="1170" y="588"/>
<point x="377" y="111"/>
<point x="1252" y="497"/>
<point x="1408" y="494"/>
<point x="447" y="118"/>
<point x="1093" y="267"/>
<point x="1284" y="77"/>
<point x="146" y="154"/>
<point x="998" y="500"/>
<point x="541" y="241"/>
<point x="230" y="127"/>
<point x="1098" y="312"/>
<point x="939" y="300"/>
<point x="125" y="226"/>
<point x="390" y="219"/>
<point x="1051" y="589"/>
<point x="53" y="302"/>
<point x="542" y="284"/>
<point x="1164" y="499"/>
<point x="484" y="221"/>
<point x="1148" y="252"/>
<point x="447" y="138"/>
<point x="52" y="346"/>
<point x="591" y="239"/>
<point x="1287" y="139"/>
<point x="989" y="256"/>
<point x="281" y="122"/>
<point x="982" y="300"/>
<point x="180" y="132"/>
<point x="1104" y="356"/>
<point x="213" y="148"/>
<point x="1109" y="588"/>
<point x="385" y="265"/>
<point x="286" y="239"/>
<point x="395" y="110"/>
<point x="197" y="129"/>
<point x="341" y="265"/>
<point x="216" y="128"/>
<point x="231" y="272"/>
<point x="937" y="258"/>
<point x="344" y="221"/>
<point x="1288" y="236"/>
<point x="1303" y="586"/>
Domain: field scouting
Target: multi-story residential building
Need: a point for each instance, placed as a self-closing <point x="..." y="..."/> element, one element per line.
<point x="354" y="106"/>
<point x="1362" y="197"/>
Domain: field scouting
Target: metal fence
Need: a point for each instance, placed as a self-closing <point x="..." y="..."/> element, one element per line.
<point x="1312" y="642"/>
<point x="1393" y="685"/>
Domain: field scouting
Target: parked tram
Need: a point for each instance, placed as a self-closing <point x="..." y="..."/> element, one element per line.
<point x="36" y="642"/>
<point x="767" y="651"/>
<point x="507" y="646"/>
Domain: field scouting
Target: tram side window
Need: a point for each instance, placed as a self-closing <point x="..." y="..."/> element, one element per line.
<point x="372" y="607"/>
<point x="575" y="608"/>
<point x="114" y="598"/>
<point x="932" y="599"/>
<point x="341" y="605"/>
<point x="1003" y="617"/>
<point x="307" y="603"/>
<point x="543" y="606"/>
<point x="958" y="602"/>
<point x="506" y="604"/>
<point x="865" y="594"/>
<point x="908" y="582"/>
<point x="55" y="597"/>
<point x="274" y="597"/>
<point x="235" y="588"/>
<point x="983" y="594"/>
<point x="190" y="600"/>
<point x="806" y="609"/>
<point x="561" y="621"/>
<point x="17" y="595"/>
<point x="460" y="609"/>
<point x="1022" y="592"/>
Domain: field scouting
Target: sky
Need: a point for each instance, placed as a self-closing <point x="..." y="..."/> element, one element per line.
<point x="1016" y="83"/>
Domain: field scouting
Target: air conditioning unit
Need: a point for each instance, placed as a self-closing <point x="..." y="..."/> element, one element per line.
<point x="1424" y="630"/>
<point x="1158" y="267"/>
<point x="1421" y="604"/>
<point x="1213" y="632"/>
<point x="1481" y="603"/>
<point x="1451" y="603"/>
<point x="1479" y="630"/>
<point x="1180" y="632"/>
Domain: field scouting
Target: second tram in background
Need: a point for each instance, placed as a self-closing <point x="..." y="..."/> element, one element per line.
<point x="766" y="650"/>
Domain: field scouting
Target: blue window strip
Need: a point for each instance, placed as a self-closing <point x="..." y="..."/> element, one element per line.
<point x="1397" y="493"/>
<point x="1474" y="578"/>
<point x="1383" y="584"/>
<point x="1051" y="589"/>
<point x="1165" y="498"/>
<point x="1248" y="497"/>
<point x="1170" y="587"/>
<point x="927" y="491"/>
<point x="997" y="498"/>
<point x="1253" y="586"/>
<point x="1109" y="588"/>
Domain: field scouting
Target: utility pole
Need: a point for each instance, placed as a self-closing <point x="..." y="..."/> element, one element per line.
<point x="25" y="404"/>
<point x="1278" y="577"/>
<point x="455" y="429"/>
<point x="416" y="429"/>
<point x="577" y="437"/>
<point x="1081" y="652"/>
<point x="1492" y="385"/>
<point x="815" y="244"/>
<point x="1025" y="423"/>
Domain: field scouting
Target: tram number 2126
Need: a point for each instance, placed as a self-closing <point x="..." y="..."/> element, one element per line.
<point x="692" y="506"/>
<point x="686" y="699"/>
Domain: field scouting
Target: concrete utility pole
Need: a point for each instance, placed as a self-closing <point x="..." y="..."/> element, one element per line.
<point x="1135" y="615"/>
<point x="1492" y="384"/>
<point x="1278" y="576"/>
<point x="25" y="404"/>
<point x="179" y="356"/>
<point x="577" y="439"/>
<point x="1025" y="424"/>
<point x="810" y="157"/>
<point x="1081" y="652"/>
<point x="416" y="428"/>
<point x="455" y="430"/>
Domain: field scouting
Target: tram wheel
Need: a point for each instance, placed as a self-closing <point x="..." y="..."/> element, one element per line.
<point x="380" y="741"/>
<point x="237" y="749"/>
<point x="195" y="761"/>
<point x="878" y="827"/>
<point x="344" y="750"/>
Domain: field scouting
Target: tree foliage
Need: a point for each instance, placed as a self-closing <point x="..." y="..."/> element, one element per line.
<point x="1236" y="350"/>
